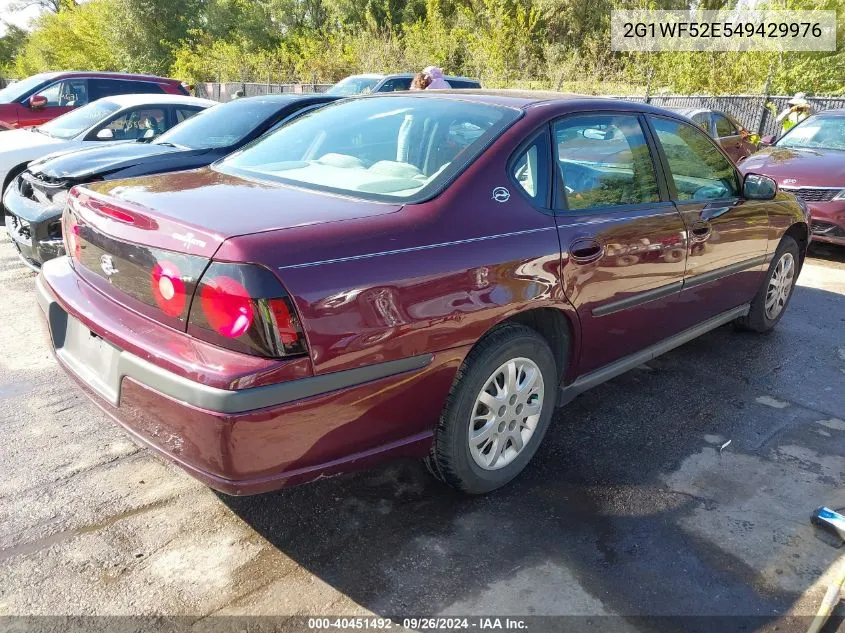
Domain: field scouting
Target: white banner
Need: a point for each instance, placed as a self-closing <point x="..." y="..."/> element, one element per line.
<point x="642" y="30"/>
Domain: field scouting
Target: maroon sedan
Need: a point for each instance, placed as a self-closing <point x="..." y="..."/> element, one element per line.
<point x="809" y="161"/>
<point x="420" y="275"/>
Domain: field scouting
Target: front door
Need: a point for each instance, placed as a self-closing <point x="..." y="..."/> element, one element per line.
<point x="62" y="97"/>
<point x="623" y="242"/>
<point x="728" y="235"/>
<point x="731" y="137"/>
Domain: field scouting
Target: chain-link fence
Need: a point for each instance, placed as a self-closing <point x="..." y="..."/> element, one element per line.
<point x="225" y="91"/>
<point x="749" y="110"/>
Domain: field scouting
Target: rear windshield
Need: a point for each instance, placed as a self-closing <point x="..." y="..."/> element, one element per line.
<point x="381" y="148"/>
<point x="80" y="120"/>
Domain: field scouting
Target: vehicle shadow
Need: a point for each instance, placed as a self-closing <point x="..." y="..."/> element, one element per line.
<point x="591" y="526"/>
<point x="827" y="252"/>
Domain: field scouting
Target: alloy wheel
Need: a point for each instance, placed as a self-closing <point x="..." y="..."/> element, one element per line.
<point x="780" y="286"/>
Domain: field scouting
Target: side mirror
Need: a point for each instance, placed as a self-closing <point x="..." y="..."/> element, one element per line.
<point x="766" y="141"/>
<point x="149" y="135"/>
<point x="37" y="102"/>
<point x="758" y="187"/>
<point x="106" y="134"/>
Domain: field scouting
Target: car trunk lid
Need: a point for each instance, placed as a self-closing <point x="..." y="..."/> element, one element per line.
<point x="119" y="234"/>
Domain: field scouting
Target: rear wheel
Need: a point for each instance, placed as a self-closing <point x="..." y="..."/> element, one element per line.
<point x="771" y="301"/>
<point x="497" y="412"/>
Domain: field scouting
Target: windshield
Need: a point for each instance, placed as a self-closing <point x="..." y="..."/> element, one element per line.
<point x="80" y="120"/>
<point x="381" y="148"/>
<point x="221" y="126"/>
<point x="354" y="86"/>
<point x="817" y="132"/>
<point x="20" y="88"/>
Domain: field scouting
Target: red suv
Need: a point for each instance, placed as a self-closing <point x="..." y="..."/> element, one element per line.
<point x="41" y="98"/>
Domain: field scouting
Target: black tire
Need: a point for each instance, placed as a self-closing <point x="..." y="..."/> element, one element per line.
<point x="757" y="320"/>
<point x="450" y="459"/>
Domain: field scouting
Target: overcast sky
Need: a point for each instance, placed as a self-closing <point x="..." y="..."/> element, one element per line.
<point x="20" y="18"/>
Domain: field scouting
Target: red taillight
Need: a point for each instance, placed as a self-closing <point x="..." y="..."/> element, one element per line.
<point x="168" y="288"/>
<point x="244" y="307"/>
<point x="286" y="324"/>
<point x="71" y="235"/>
<point x="227" y="306"/>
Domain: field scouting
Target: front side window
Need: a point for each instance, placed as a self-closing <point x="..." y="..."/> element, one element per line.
<point x="136" y="124"/>
<point x="70" y="93"/>
<point x="392" y="148"/>
<point x="394" y="85"/>
<point x="724" y="127"/>
<point x="80" y="120"/>
<point x="699" y="170"/>
<point x="604" y="161"/>
<point x="702" y="120"/>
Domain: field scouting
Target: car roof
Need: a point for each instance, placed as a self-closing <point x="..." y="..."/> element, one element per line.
<point x="519" y="99"/>
<point x="128" y="101"/>
<point x="834" y="112"/>
<point x="406" y="76"/>
<point x="288" y="97"/>
<point x="105" y="75"/>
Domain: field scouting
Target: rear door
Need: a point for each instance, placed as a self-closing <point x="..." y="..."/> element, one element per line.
<point x="622" y="240"/>
<point x="728" y="235"/>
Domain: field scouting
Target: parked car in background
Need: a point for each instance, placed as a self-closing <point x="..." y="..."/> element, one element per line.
<point x="122" y="118"/>
<point x="334" y="294"/>
<point x="809" y="161"/>
<point x="728" y="132"/>
<point x="36" y="198"/>
<point x="370" y="83"/>
<point x="41" y="98"/>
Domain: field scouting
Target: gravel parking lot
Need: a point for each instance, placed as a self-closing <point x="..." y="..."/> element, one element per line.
<point x="629" y="508"/>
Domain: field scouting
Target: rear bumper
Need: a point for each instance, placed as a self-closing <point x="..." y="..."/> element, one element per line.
<point x="246" y="441"/>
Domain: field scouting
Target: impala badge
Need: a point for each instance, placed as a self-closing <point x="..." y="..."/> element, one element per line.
<point x="188" y="240"/>
<point x="501" y="194"/>
<point x="107" y="265"/>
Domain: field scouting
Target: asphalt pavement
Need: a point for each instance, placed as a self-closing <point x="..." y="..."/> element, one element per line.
<point x="630" y="508"/>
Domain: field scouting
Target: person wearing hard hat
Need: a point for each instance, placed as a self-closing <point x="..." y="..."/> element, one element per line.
<point x="798" y="109"/>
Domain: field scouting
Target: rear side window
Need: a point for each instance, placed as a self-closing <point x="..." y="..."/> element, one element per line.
<point x="604" y="161"/>
<point x="724" y="127"/>
<point x="530" y="170"/>
<point x="461" y="84"/>
<point x="110" y="87"/>
<point x="699" y="170"/>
